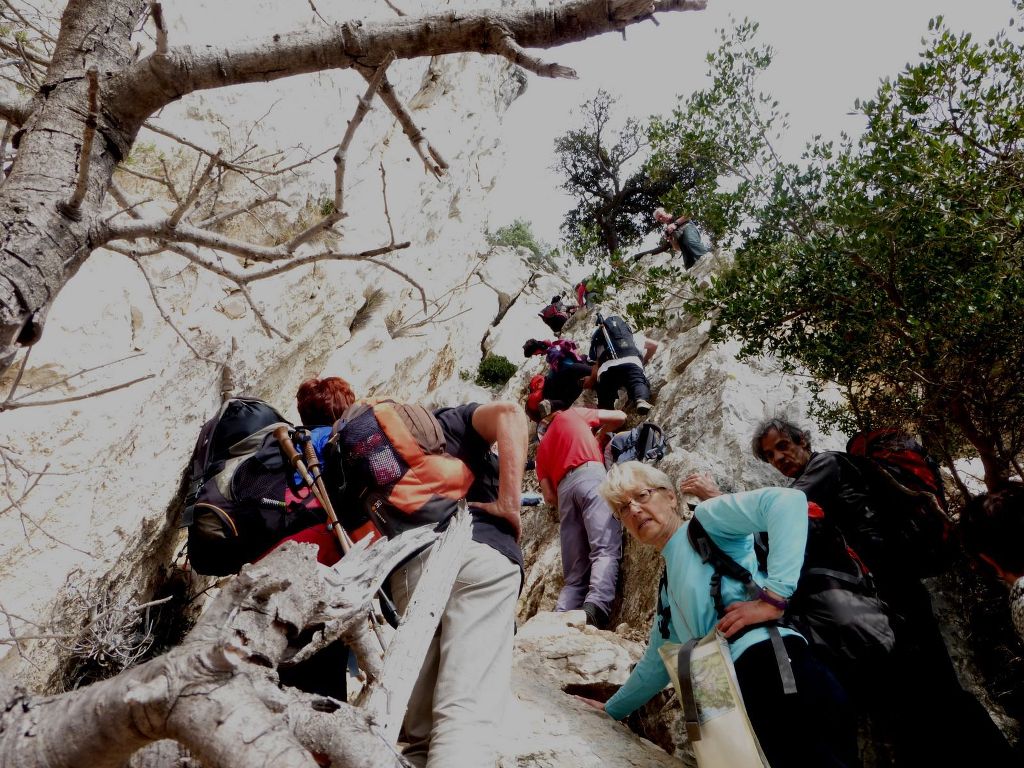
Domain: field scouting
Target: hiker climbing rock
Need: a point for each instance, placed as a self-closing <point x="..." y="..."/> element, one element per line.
<point x="555" y="315"/>
<point x="570" y="467"/>
<point x="403" y="466"/>
<point x="677" y="234"/>
<point x="563" y="383"/>
<point x="618" y="362"/>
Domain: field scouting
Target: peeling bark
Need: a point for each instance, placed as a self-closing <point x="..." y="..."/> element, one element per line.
<point x="218" y="693"/>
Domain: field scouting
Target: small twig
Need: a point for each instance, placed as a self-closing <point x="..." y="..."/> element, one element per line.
<point x="505" y="44"/>
<point x="71" y="207"/>
<point x="68" y="378"/>
<point x="398" y="11"/>
<point x="193" y="194"/>
<point x="220" y="218"/>
<point x="167" y="181"/>
<point x="317" y="12"/>
<point x="129" y="209"/>
<point x="21" y="372"/>
<point x="163" y="312"/>
<point x="268" y="329"/>
<point x="157" y="12"/>
<point x="384" y="194"/>
<point x="35" y="28"/>
<point x="431" y="158"/>
<point x="74" y="398"/>
<point x="340" y="158"/>
<point x="404" y="276"/>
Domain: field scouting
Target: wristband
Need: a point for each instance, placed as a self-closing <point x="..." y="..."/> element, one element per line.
<point x="775" y="602"/>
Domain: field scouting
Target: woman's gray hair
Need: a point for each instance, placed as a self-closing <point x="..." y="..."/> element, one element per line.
<point x="785" y="428"/>
<point x="624" y="480"/>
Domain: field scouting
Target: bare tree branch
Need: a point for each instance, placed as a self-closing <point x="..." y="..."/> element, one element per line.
<point x="157" y="12"/>
<point x="431" y="158"/>
<point x="506" y="45"/>
<point x="338" y="213"/>
<point x="10" y="406"/>
<point x="197" y="187"/>
<point x="185" y="70"/>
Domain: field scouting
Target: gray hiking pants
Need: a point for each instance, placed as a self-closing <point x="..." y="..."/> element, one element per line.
<point x="591" y="541"/>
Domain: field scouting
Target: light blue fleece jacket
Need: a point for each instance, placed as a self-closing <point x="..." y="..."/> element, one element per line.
<point x="730" y="520"/>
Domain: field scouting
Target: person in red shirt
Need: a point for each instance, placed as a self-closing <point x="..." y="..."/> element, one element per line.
<point x="570" y="467"/>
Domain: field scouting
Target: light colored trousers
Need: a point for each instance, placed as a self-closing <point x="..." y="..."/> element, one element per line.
<point x="458" y="702"/>
<point x="591" y="541"/>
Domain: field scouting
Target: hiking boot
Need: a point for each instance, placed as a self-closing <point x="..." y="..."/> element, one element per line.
<point x="544" y="408"/>
<point x="643" y="407"/>
<point x="595" y="616"/>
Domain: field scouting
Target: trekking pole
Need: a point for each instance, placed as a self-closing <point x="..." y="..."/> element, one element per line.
<point x="309" y="471"/>
<point x="284" y="438"/>
<point x="607" y="336"/>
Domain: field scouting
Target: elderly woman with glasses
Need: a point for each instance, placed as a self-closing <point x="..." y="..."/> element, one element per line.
<point x="814" y="726"/>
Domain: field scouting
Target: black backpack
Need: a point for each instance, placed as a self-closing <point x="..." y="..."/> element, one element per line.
<point x="644" y="442"/>
<point x="615" y="330"/>
<point x="905" y="488"/>
<point x="242" y="498"/>
<point x="836" y="606"/>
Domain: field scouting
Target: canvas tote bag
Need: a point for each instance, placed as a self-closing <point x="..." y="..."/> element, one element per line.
<point x="716" y="720"/>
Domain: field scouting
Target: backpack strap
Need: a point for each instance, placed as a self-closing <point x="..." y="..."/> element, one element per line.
<point x="691" y="714"/>
<point x="664" y="611"/>
<point x="724" y="565"/>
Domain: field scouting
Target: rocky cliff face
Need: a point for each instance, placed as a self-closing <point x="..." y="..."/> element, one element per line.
<point x="94" y="484"/>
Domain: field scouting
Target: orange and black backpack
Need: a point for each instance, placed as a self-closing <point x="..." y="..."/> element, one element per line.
<point x="387" y="471"/>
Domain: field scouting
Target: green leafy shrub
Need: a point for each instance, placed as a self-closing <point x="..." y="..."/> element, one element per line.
<point x="494" y="371"/>
<point x="518" y="234"/>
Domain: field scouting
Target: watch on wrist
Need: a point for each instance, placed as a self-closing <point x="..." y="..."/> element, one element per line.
<point x="776" y="602"/>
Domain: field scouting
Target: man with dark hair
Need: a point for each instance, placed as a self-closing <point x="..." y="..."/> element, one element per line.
<point x="920" y="665"/>
<point x="992" y="529"/>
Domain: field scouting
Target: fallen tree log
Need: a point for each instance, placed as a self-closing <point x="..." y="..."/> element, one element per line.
<point x="218" y="693"/>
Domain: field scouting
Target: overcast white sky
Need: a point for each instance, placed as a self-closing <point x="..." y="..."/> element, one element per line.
<point x="827" y="54"/>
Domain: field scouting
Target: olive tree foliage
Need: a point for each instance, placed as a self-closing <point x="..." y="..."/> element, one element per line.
<point x="890" y="265"/>
<point x="88" y="84"/>
<point x="615" y="189"/>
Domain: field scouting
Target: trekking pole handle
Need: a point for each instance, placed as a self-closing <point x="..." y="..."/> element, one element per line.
<point x="284" y="439"/>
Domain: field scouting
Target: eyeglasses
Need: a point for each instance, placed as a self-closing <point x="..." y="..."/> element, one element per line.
<point x="622" y="509"/>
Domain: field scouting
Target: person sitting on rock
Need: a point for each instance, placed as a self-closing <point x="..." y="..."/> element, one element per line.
<point x="815" y="726"/>
<point x="615" y="350"/>
<point x="570" y="468"/>
<point x="992" y="530"/>
<point x="678" y="234"/>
